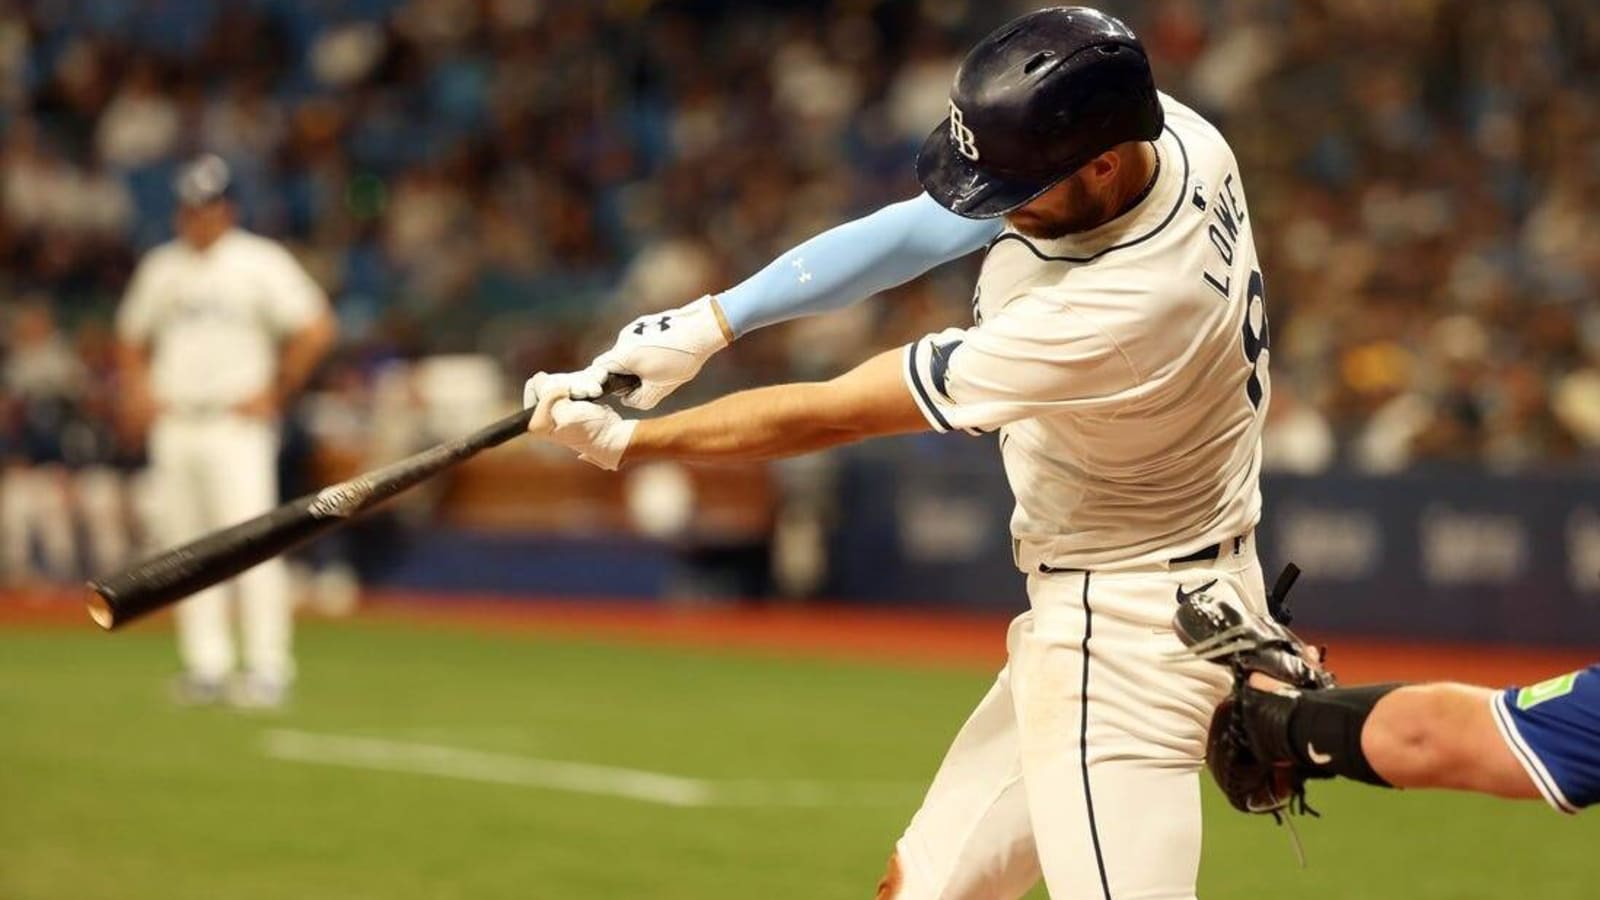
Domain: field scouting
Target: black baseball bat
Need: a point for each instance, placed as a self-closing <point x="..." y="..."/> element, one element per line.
<point x="170" y="576"/>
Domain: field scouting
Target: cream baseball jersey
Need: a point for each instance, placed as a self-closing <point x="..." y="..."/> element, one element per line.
<point x="1125" y="369"/>
<point x="213" y="318"/>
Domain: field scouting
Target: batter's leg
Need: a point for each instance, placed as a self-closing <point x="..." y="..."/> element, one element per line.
<point x="1111" y="738"/>
<point x="205" y="643"/>
<point x="242" y="481"/>
<point x="972" y="838"/>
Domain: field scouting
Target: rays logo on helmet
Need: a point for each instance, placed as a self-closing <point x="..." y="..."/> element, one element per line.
<point x="966" y="142"/>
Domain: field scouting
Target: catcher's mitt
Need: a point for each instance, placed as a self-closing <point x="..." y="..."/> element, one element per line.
<point x="1257" y="775"/>
<point x="1247" y="750"/>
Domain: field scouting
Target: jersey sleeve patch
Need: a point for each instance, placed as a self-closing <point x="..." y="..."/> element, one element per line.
<point x="917" y="381"/>
<point x="939" y="365"/>
<point x="929" y="375"/>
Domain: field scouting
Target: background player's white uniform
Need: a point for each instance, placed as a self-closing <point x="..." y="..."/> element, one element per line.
<point x="1125" y="370"/>
<point x="212" y="321"/>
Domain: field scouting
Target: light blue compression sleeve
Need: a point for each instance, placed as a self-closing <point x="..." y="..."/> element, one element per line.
<point x="853" y="261"/>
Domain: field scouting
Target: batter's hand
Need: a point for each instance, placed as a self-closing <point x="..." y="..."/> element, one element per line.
<point x="584" y="384"/>
<point x="665" y="350"/>
<point x="593" y="430"/>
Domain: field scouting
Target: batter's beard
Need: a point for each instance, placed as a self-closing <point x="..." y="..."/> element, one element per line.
<point x="1083" y="212"/>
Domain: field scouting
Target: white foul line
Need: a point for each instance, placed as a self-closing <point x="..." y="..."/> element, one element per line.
<point x="380" y="754"/>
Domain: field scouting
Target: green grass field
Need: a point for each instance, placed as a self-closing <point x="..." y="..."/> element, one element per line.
<point x="107" y="791"/>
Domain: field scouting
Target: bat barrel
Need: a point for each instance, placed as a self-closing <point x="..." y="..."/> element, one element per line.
<point x="168" y="577"/>
<point x="161" y="580"/>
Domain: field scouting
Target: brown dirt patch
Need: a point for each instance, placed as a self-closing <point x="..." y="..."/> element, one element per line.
<point x="905" y="635"/>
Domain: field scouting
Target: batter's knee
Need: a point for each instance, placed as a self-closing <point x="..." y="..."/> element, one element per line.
<point x="889" y="886"/>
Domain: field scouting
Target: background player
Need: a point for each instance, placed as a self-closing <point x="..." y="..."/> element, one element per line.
<point x="1120" y="351"/>
<point x="218" y="330"/>
<point x="45" y="384"/>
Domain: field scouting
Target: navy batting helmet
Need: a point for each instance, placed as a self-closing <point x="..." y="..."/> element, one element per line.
<point x="1032" y="103"/>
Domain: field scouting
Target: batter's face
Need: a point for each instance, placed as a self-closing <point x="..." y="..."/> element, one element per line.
<point x="1088" y="198"/>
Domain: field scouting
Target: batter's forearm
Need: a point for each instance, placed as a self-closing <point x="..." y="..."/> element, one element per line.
<point x="765" y="423"/>
<point x="785" y="420"/>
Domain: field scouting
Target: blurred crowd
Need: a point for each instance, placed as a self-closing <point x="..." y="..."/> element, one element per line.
<point x="515" y="178"/>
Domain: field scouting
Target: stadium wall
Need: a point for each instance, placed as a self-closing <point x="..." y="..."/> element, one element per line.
<point x="1430" y="555"/>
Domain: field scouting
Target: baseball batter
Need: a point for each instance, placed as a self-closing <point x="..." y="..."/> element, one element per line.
<point x="1119" y="351"/>
<point x="218" y="329"/>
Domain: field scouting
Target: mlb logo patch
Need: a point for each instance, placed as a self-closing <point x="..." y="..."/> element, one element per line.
<point x="1535" y="694"/>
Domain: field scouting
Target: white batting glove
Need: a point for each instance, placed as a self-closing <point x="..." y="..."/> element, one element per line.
<point x="593" y="430"/>
<point x="664" y="349"/>
<point x="584" y="384"/>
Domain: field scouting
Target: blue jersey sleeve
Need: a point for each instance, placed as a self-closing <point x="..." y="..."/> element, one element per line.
<point x="1553" y="728"/>
<point x="853" y="261"/>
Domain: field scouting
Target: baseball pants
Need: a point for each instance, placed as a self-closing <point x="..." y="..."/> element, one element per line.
<point x="212" y="472"/>
<point x="1081" y="765"/>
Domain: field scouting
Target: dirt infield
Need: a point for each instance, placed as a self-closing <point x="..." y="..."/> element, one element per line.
<point x="918" y="637"/>
<point x="921" y="637"/>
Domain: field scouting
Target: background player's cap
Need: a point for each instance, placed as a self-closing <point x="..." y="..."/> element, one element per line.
<point x="204" y="180"/>
<point x="1032" y="103"/>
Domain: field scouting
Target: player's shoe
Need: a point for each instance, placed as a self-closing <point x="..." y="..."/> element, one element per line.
<point x="190" y="689"/>
<point x="254" y="692"/>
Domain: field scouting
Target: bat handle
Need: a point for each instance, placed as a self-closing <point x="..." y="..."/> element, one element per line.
<point x="618" y="383"/>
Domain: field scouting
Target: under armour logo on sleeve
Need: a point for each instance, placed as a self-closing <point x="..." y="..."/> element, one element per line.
<point x="966" y="142"/>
